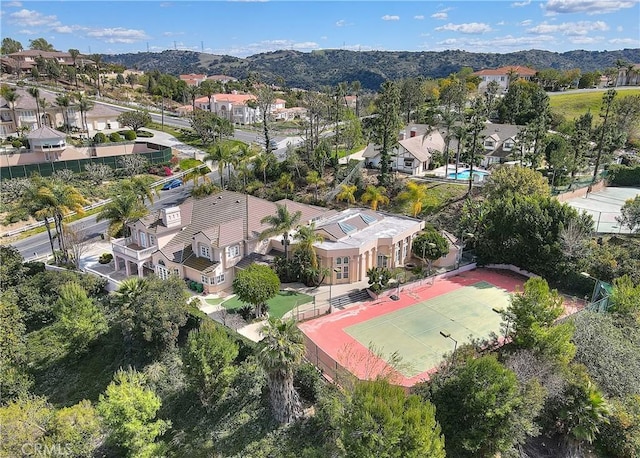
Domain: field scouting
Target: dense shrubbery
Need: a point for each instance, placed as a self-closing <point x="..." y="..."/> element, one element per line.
<point x="622" y="175"/>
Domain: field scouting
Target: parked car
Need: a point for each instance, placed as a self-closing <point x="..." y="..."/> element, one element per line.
<point x="273" y="144"/>
<point x="172" y="185"/>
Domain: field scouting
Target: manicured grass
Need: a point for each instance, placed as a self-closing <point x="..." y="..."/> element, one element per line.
<point x="278" y="306"/>
<point x="216" y="301"/>
<point x="186" y="164"/>
<point x="571" y="105"/>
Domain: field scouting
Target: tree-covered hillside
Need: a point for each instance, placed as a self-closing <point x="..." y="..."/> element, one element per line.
<point x="371" y="68"/>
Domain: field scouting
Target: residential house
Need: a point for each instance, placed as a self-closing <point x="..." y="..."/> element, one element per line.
<point x="193" y="79"/>
<point x="222" y="78"/>
<point x="237" y="108"/>
<point x="24" y="61"/>
<point x="204" y="240"/>
<point x="99" y="118"/>
<point x="629" y="75"/>
<point x="500" y="143"/>
<point x="503" y="76"/>
<point x="413" y="152"/>
<point x="357" y="239"/>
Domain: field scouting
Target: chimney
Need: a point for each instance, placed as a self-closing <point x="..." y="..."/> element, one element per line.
<point x="401" y="135"/>
<point x="413" y="132"/>
<point x="171" y="217"/>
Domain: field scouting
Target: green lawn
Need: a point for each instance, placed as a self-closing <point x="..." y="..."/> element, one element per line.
<point x="572" y="105"/>
<point x="278" y="306"/>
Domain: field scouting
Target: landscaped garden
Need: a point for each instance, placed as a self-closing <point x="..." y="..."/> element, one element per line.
<point x="278" y="306"/>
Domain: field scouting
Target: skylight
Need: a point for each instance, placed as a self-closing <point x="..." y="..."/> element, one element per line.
<point x="369" y="219"/>
<point x="347" y="228"/>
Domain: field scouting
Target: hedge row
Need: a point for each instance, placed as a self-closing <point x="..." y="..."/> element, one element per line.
<point x="623" y="175"/>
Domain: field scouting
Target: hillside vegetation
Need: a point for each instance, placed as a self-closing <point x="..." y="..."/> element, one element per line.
<point x="371" y="68"/>
<point x="572" y="104"/>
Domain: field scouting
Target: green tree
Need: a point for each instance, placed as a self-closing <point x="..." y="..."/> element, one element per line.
<point x="606" y="114"/>
<point x="625" y="298"/>
<point x="386" y="126"/>
<point x="313" y="178"/>
<point x="482" y="409"/>
<point x="264" y="101"/>
<point x="11" y="96"/>
<point x="64" y="102"/>
<point x="255" y="285"/>
<point x="75" y="53"/>
<point x="620" y="437"/>
<point x="35" y="93"/>
<point x="630" y="214"/>
<point x="306" y="236"/>
<point x="507" y="181"/>
<point x="382" y="421"/>
<point x="375" y="196"/>
<point x="579" y="142"/>
<point x="152" y="311"/>
<point x="221" y="154"/>
<point x="80" y="321"/>
<point x="97" y="61"/>
<point x="13" y="377"/>
<point x="141" y="187"/>
<point x="12" y="272"/>
<point x="129" y="409"/>
<point x="283" y="222"/>
<point x="10" y="46"/>
<point x="134" y="119"/>
<point x="40" y="44"/>
<point x="123" y="209"/>
<point x="84" y="105"/>
<point x="208" y="358"/>
<point x="280" y="353"/>
<point x="430" y="246"/>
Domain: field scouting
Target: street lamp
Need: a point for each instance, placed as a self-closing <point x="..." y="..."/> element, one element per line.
<point x="447" y="335"/>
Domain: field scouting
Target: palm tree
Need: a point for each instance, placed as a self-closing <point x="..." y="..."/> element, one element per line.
<point x="35" y="93"/>
<point x="285" y="182"/>
<point x="261" y="164"/>
<point x="281" y="351"/>
<point x="220" y="154"/>
<point x="240" y="157"/>
<point x="141" y="187"/>
<point x="37" y="207"/>
<point x="461" y="134"/>
<point x="449" y="119"/>
<point x="307" y="237"/>
<point x="314" y="178"/>
<point x="282" y="222"/>
<point x="126" y="299"/>
<point x="376" y="196"/>
<point x="74" y="53"/>
<point x="193" y="92"/>
<point x="356" y="87"/>
<point x="11" y="96"/>
<point x="84" y="104"/>
<point x="347" y="193"/>
<point x="414" y="196"/>
<point x="64" y="102"/>
<point x="207" y="88"/>
<point x="123" y="209"/>
<point x="45" y="116"/>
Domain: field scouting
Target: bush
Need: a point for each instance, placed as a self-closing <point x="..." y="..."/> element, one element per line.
<point x="622" y="175"/>
<point x="130" y="135"/>
<point x="145" y="134"/>
<point x="246" y="312"/>
<point x="115" y="137"/>
<point x="307" y="382"/>
<point x="105" y="258"/>
<point x="16" y="143"/>
<point x="100" y="138"/>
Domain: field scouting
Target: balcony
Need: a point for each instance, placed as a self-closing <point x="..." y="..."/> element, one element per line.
<point x="132" y="250"/>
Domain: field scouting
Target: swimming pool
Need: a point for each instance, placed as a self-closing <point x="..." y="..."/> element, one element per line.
<point x="464" y="174"/>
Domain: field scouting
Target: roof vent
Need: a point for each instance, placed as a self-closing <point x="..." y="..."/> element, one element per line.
<point x="219" y="197"/>
<point x="237" y="201"/>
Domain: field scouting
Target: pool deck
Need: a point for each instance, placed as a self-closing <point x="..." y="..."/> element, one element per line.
<point x="440" y="171"/>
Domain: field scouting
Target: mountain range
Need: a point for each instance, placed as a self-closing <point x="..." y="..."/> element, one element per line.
<point x="315" y="69"/>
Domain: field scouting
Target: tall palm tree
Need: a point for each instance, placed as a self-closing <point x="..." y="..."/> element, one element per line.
<point x="141" y="187"/>
<point x="449" y="118"/>
<point x="74" y="53"/>
<point x="45" y="116"/>
<point x="64" y="102"/>
<point x="461" y="134"/>
<point x="221" y="155"/>
<point x="347" y="193"/>
<point x="240" y="158"/>
<point x="376" y="196"/>
<point x="414" y="197"/>
<point x="123" y="209"/>
<point x="282" y="222"/>
<point x="261" y="164"/>
<point x="193" y="92"/>
<point x="306" y="236"/>
<point x="207" y="88"/>
<point x="126" y="299"/>
<point x="37" y="207"/>
<point x="356" y="87"/>
<point x="285" y="182"/>
<point x="84" y="105"/>
<point x="11" y="96"/>
<point x="314" y="178"/>
<point x="281" y="351"/>
<point x="35" y="93"/>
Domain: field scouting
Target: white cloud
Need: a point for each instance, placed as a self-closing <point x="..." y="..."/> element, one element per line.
<point x="526" y="23"/>
<point x="172" y="34"/>
<point x="587" y="6"/>
<point x="388" y="17"/>
<point x="585" y="40"/>
<point x="634" y="42"/>
<point x="63" y="29"/>
<point x="505" y="43"/>
<point x="521" y="4"/>
<point x="440" y="15"/>
<point x="324" y="37"/>
<point x="419" y="17"/>
<point x="267" y="46"/>
<point x="470" y="27"/>
<point x="341" y="23"/>
<point x="500" y="23"/>
<point x="570" y="28"/>
<point x="118" y="35"/>
<point x="27" y="32"/>
<point x="13" y="4"/>
<point x="31" y="18"/>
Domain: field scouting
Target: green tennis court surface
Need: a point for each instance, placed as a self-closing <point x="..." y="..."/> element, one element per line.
<point x="414" y="332"/>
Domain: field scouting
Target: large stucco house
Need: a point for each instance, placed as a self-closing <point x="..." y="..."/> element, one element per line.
<point x="503" y="76"/>
<point x="412" y="154"/>
<point x="206" y="240"/>
<point x="25" y="111"/>
<point x="237" y="108"/>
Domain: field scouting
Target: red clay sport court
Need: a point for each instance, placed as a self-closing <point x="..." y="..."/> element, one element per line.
<point x="461" y="306"/>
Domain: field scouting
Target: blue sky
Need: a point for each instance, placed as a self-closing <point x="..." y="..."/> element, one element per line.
<point x="243" y="28"/>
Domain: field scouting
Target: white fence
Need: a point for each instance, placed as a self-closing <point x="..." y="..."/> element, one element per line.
<point x="98" y="204"/>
